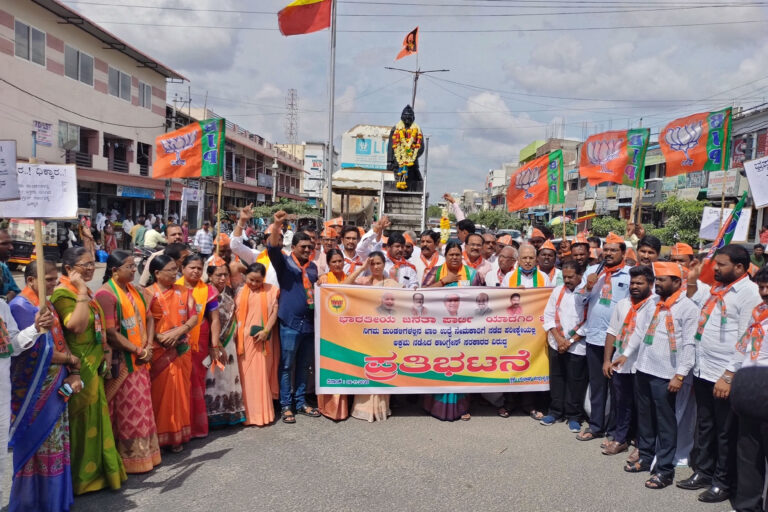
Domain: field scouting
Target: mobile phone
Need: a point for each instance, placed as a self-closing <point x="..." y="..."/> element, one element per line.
<point x="207" y="361"/>
<point x="255" y="329"/>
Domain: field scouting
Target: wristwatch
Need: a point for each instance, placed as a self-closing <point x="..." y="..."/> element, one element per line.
<point x="726" y="378"/>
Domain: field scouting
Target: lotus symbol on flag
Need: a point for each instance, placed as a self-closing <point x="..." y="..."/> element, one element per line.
<point x="178" y="144"/>
<point x="683" y="138"/>
<point x="600" y="152"/>
<point x="527" y="179"/>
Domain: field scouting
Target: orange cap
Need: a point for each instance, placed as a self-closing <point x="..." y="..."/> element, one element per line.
<point x="581" y="238"/>
<point x="681" y="249"/>
<point x="222" y="239"/>
<point x="505" y="240"/>
<point x="665" y="268"/>
<point x="593" y="253"/>
<point x="613" y="238"/>
<point x="537" y="233"/>
<point x="384" y="240"/>
<point x="408" y="239"/>
<point x="329" y="232"/>
<point x="338" y="221"/>
<point x="631" y="254"/>
<point x="547" y="245"/>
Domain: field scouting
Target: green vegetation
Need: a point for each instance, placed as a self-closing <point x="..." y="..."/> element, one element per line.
<point x="683" y="219"/>
<point x="601" y="226"/>
<point x="497" y="219"/>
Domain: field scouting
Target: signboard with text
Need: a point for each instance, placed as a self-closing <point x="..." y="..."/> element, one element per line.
<point x="45" y="192"/>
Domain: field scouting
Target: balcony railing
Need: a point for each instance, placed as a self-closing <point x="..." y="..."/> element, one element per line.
<point x="144" y="169"/>
<point x="117" y="165"/>
<point x="80" y="159"/>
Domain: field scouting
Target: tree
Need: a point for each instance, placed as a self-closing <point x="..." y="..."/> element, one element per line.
<point x="296" y="207"/>
<point x="434" y="211"/>
<point x="682" y="221"/>
<point x="497" y="219"/>
<point x="601" y="226"/>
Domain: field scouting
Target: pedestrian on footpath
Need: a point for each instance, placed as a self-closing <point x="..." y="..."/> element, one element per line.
<point x="204" y="241"/>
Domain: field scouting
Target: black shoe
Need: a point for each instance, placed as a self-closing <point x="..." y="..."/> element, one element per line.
<point x="695" y="481"/>
<point x="714" y="494"/>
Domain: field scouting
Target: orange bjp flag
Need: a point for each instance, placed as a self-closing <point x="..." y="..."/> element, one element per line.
<point x="410" y="44"/>
<point x="616" y="156"/>
<point x="538" y="182"/>
<point x="194" y="151"/>
<point x="304" y="17"/>
<point x="698" y="142"/>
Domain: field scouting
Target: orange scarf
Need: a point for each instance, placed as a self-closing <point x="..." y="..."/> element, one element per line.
<point x="630" y="321"/>
<point x="558" y="325"/>
<point x="334" y="279"/>
<point x="716" y="297"/>
<point x="200" y="294"/>
<point x="473" y="265"/>
<point x="98" y="313"/>
<point x="353" y="262"/>
<point x="429" y="264"/>
<point x="606" y="295"/>
<point x="664" y="305"/>
<point x="59" y="341"/>
<point x="755" y="332"/>
<point x="132" y="315"/>
<point x="309" y="290"/>
<point x="244" y="330"/>
<point x="402" y="262"/>
<point x="174" y="313"/>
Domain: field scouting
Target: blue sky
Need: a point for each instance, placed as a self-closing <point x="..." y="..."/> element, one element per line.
<point x="513" y="78"/>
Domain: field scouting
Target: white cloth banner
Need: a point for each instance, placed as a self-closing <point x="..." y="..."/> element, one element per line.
<point x="711" y="223"/>
<point x="46" y="192"/>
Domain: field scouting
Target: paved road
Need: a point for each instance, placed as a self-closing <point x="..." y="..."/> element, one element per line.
<point x="411" y="462"/>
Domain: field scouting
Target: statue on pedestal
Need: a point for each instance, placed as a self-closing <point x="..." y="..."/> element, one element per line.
<point x="406" y="144"/>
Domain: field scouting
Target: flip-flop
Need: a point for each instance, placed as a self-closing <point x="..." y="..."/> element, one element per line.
<point x="466" y="417"/>
<point x="503" y="412"/>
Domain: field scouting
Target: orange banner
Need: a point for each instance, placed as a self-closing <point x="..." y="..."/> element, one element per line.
<point x="617" y="156"/>
<point x="698" y="142"/>
<point x="539" y="182"/>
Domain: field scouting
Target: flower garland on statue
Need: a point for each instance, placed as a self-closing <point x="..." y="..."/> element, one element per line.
<point x="406" y="143"/>
<point x="445" y="227"/>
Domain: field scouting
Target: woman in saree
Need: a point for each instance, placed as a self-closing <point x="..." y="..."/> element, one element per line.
<point x="110" y="240"/>
<point x="224" y="392"/>
<point x="450" y="406"/>
<point x="86" y="236"/>
<point x="173" y="310"/>
<point x="258" y="347"/>
<point x="372" y="407"/>
<point x="130" y="330"/>
<point x="96" y="463"/>
<point x="335" y="407"/>
<point x="203" y="339"/>
<point x="42" y="478"/>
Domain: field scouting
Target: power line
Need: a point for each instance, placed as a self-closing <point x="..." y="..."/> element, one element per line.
<point x="77" y="113"/>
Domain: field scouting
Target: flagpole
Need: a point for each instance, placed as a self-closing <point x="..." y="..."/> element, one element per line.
<point x="331" y="108"/>
<point x="218" y="208"/>
<point x="563" y="219"/>
<point x="722" y="196"/>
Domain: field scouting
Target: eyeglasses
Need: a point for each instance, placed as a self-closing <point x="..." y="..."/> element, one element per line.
<point x="132" y="266"/>
<point x="86" y="266"/>
<point x="174" y="270"/>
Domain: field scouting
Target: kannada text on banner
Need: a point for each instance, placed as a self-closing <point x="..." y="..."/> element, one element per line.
<point x="435" y="340"/>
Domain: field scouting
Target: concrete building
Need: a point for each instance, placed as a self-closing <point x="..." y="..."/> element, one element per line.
<point x="90" y="99"/>
<point x="313" y="180"/>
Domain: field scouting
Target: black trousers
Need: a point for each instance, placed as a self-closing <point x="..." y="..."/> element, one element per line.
<point x="656" y="422"/>
<point x="716" y="432"/>
<point x="598" y="389"/>
<point x="751" y="451"/>
<point x="567" y="385"/>
<point x="623" y="407"/>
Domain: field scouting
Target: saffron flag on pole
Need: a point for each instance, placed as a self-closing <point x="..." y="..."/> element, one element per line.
<point x="193" y="151"/>
<point x="538" y="182"/>
<point x="410" y="44"/>
<point x="304" y="17"/>
<point x="616" y="156"/>
<point x="724" y="237"/>
<point x="698" y="142"/>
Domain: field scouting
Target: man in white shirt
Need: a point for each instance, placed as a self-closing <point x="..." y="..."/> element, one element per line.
<point x="489" y="247"/>
<point x="563" y="316"/>
<point x="153" y="237"/>
<point x="429" y="255"/>
<point x="504" y="264"/>
<point x="752" y="441"/>
<point x="526" y="274"/>
<point x="724" y="318"/>
<point x="545" y="260"/>
<point x="665" y="352"/>
<point x="682" y="253"/>
<point x="396" y="266"/>
<point x="353" y="258"/>
<point x="13" y="342"/>
<point x="174" y="235"/>
<point x="627" y="314"/>
<point x="127" y="226"/>
<point x="473" y="254"/>
<point x="204" y="240"/>
<point x="245" y="253"/>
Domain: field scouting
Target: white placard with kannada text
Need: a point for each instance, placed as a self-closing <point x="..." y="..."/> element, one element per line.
<point x="46" y="192"/>
<point x="710" y="223"/>
<point x="757" y="174"/>
<point x="9" y="186"/>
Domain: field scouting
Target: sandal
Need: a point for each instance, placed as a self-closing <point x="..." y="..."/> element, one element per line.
<point x="614" y="448"/>
<point x="588" y="435"/>
<point x="308" y="411"/>
<point x="466" y="417"/>
<point x="287" y="416"/>
<point x="503" y="412"/>
<point x="637" y="467"/>
<point x="634" y="456"/>
<point x="658" y="481"/>
<point x="536" y="415"/>
<point x="177" y="449"/>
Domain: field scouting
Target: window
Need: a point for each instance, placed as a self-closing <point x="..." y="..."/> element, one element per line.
<point x="69" y="136"/>
<point x="119" y="84"/>
<point x="78" y="65"/>
<point x="145" y="95"/>
<point x="30" y="43"/>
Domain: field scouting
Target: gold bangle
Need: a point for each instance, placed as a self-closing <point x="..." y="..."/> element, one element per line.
<point x="82" y="300"/>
